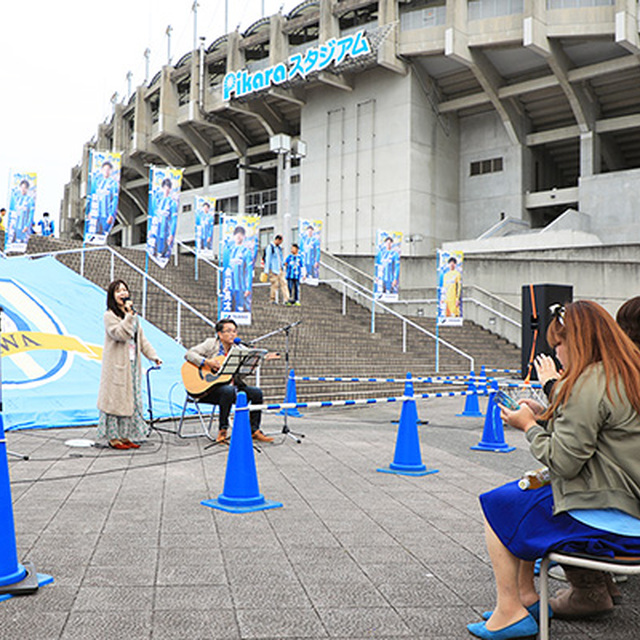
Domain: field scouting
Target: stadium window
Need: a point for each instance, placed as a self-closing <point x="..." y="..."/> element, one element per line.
<point x="480" y="167"/>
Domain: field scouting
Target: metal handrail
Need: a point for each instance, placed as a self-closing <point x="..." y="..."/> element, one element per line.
<point x="465" y="300"/>
<point x="114" y="254"/>
<point x="405" y="321"/>
<point x="366" y="276"/>
<point x="190" y="249"/>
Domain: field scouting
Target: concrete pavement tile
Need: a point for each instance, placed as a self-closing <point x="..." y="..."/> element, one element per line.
<point x="430" y="592"/>
<point x="364" y="623"/>
<point x="448" y="621"/>
<point x="193" y="537"/>
<point x="209" y="556"/>
<point x="280" y="623"/>
<point x="98" y="625"/>
<point x="119" y="576"/>
<point x="218" y="624"/>
<point x="114" y="598"/>
<point x="21" y="623"/>
<point x="117" y="555"/>
<point x="196" y="598"/>
<point x="396" y="572"/>
<point x="274" y="595"/>
<point x="191" y="575"/>
<point x="333" y="593"/>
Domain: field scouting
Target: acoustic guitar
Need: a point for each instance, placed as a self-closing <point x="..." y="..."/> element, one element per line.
<point x="199" y="380"/>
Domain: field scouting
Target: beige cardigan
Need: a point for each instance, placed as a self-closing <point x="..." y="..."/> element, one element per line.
<point x="116" y="384"/>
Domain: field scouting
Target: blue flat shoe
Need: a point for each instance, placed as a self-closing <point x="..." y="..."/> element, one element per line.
<point x="525" y="629"/>
<point x="533" y="609"/>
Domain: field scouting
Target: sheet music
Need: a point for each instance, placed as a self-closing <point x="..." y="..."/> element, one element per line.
<point x="241" y="361"/>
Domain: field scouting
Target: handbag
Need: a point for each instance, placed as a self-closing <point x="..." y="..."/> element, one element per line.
<point x="264" y="277"/>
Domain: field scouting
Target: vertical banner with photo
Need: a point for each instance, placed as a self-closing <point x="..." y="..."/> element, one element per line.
<point x="205" y="207"/>
<point x="22" y="204"/>
<point x="164" y="194"/>
<point x="450" y="265"/>
<point x="309" y="232"/>
<point x="238" y="248"/>
<point x="102" y="199"/>
<point x="387" y="265"/>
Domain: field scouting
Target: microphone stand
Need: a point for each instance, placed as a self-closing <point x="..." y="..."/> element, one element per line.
<point x="22" y="456"/>
<point x="294" y="435"/>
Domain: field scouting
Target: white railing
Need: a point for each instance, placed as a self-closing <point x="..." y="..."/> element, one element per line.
<point x="357" y="289"/>
<point x="146" y="278"/>
<point x="198" y="259"/>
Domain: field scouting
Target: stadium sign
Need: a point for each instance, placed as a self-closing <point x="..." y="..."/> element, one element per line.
<point x="242" y="83"/>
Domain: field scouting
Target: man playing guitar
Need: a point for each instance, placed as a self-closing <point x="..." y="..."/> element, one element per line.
<point x="209" y="356"/>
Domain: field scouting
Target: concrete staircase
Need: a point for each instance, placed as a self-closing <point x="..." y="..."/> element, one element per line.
<point x="326" y="343"/>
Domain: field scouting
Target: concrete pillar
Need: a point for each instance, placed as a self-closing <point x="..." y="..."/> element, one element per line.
<point x="242" y="186"/>
<point x="534" y="26"/>
<point x="590" y="163"/>
<point x="278" y="40"/>
<point x="627" y="25"/>
<point x="388" y="14"/>
<point x="329" y="25"/>
<point x="168" y="107"/>
<point x="455" y="35"/>
<point x="120" y="137"/>
<point x="235" y="57"/>
<point x="141" y="123"/>
<point x="102" y="142"/>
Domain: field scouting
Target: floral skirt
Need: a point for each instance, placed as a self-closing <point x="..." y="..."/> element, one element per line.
<point x="132" y="427"/>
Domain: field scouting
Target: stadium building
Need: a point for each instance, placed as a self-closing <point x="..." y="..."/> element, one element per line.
<point x="452" y="121"/>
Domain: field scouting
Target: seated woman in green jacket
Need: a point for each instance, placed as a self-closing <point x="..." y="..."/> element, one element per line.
<point x="589" y="437"/>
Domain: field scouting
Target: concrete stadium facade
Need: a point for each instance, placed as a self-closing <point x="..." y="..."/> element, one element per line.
<point x="467" y="117"/>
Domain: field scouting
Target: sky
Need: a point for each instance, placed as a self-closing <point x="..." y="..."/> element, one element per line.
<point x="61" y="62"/>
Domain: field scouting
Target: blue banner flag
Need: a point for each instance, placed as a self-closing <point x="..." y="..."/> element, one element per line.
<point x="22" y="204"/>
<point x="387" y="265"/>
<point x="450" y="264"/>
<point x="238" y="248"/>
<point x="309" y="233"/>
<point x="205" y="221"/>
<point x="164" y="195"/>
<point x="102" y="196"/>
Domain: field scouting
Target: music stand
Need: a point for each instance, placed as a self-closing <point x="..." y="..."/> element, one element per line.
<point x="294" y="435"/>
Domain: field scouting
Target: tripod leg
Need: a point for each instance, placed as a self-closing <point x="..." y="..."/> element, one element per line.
<point x="17" y="455"/>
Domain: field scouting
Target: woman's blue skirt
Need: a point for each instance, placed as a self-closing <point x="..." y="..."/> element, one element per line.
<point x="525" y="524"/>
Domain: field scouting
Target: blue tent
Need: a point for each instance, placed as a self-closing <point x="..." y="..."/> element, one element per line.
<point x="51" y="346"/>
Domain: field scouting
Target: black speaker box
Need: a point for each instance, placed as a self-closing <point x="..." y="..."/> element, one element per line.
<point x="536" y="315"/>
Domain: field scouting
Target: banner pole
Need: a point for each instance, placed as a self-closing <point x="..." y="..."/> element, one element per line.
<point x="437" y="346"/>
<point x="144" y="285"/>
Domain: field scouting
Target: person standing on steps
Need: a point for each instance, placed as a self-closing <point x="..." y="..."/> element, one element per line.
<point x="274" y="268"/>
<point x="119" y="396"/>
<point x="293" y="266"/>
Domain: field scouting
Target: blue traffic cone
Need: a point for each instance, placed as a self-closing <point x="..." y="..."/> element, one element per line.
<point x="15" y="578"/>
<point x="291" y="396"/>
<point x="407" y="459"/>
<point x="493" y="433"/>
<point x="471" y="405"/>
<point x="241" y="493"/>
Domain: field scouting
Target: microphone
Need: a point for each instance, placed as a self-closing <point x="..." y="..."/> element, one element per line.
<point x="132" y="307"/>
<point x="238" y="341"/>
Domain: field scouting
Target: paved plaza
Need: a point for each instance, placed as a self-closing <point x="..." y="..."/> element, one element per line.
<point x="352" y="554"/>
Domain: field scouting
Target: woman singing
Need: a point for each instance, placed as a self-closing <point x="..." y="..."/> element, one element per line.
<point x="589" y="438"/>
<point x="119" y="397"/>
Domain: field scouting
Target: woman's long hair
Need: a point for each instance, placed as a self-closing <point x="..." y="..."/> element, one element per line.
<point x="589" y="335"/>
<point x="112" y="305"/>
